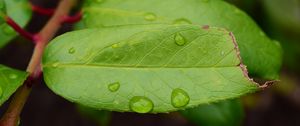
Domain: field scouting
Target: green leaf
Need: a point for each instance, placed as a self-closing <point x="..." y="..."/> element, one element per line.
<point x="146" y="68"/>
<point x="262" y="56"/>
<point x="20" y="12"/>
<point x="10" y="81"/>
<point x="290" y="10"/>
<point x="2" y="11"/>
<point x="2" y="6"/>
<point x="224" y="113"/>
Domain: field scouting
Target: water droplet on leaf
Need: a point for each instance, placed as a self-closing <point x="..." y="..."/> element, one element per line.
<point x="179" y="40"/>
<point x="13" y="76"/>
<point x="222" y="53"/>
<point x="150" y="17"/>
<point x="140" y="104"/>
<point x="72" y="50"/>
<point x="113" y="87"/>
<point x="179" y="98"/>
<point x="55" y="64"/>
<point x="182" y="21"/>
<point x="114" y="46"/>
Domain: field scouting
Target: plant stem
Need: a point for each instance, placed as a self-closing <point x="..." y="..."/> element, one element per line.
<point x="11" y="116"/>
<point x="41" y="10"/>
<point x="18" y="29"/>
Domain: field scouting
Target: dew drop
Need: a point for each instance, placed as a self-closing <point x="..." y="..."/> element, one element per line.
<point x="113" y="87"/>
<point x="8" y="30"/>
<point x="72" y="50"/>
<point x="150" y="17"/>
<point x="140" y="104"/>
<point x="55" y="64"/>
<point x="182" y="21"/>
<point x="179" y="40"/>
<point x="179" y="98"/>
<point x="114" y="46"/>
<point x="13" y="76"/>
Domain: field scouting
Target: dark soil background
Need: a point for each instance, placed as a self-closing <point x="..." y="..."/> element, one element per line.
<point x="278" y="106"/>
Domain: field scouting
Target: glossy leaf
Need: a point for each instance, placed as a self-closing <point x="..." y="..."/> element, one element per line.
<point x="152" y="68"/>
<point x="261" y="55"/>
<point x="20" y="12"/>
<point x="224" y="113"/>
<point x="10" y="80"/>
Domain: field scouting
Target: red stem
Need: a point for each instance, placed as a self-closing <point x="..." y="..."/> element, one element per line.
<point x="18" y="29"/>
<point x="11" y="116"/>
<point x="41" y="10"/>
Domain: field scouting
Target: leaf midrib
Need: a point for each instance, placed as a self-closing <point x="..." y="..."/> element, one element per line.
<point x="130" y="66"/>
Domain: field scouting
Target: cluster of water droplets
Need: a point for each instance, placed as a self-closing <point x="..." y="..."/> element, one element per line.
<point x="142" y="104"/>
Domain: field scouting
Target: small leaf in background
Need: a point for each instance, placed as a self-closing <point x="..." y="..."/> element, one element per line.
<point x="262" y="55"/>
<point x="157" y="68"/>
<point x="10" y="81"/>
<point x="19" y="11"/>
<point x="224" y="113"/>
<point x="285" y="28"/>
<point x="289" y="8"/>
